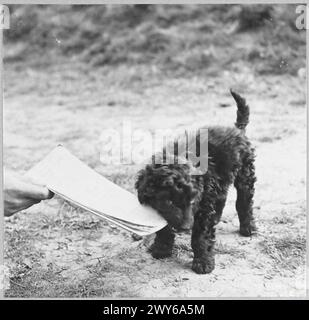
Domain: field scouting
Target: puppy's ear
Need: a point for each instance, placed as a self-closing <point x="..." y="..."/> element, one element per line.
<point x="143" y="186"/>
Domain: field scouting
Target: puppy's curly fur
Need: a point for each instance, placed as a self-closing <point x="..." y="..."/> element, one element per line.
<point x="187" y="200"/>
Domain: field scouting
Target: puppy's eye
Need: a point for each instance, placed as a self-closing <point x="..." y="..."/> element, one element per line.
<point x="179" y="186"/>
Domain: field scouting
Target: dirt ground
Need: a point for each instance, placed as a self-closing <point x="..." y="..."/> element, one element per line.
<point x="54" y="250"/>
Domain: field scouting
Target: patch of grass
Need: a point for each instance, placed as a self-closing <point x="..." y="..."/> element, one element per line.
<point x="268" y="139"/>
<point x="124" y="180"/>
<point x="287" y="253"/>
<point x="182" y="249"/>
<point x="283" y="219"/>
<point x="28" y="278"/>
<point x="278" y="134"/>
<point x="221" y="248"/>
<point x="37" y="282"/>
<point x="254" y="16"/>
<point x="176" y="38"/>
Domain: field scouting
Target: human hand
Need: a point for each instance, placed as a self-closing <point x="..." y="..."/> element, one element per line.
<point x="20" y="193"/>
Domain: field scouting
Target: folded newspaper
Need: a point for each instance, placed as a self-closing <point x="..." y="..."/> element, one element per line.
<point x="77" y="183"/>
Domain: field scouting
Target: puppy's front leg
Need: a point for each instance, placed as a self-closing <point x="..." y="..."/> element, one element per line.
<point x="163" y="244"/>
<point x="202" y="241"/>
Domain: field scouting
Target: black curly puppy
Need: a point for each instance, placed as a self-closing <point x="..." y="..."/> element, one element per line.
<point x="188" y="200"/>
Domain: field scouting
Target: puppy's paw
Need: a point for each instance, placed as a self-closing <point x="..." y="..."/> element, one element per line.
<point x="203" y="266"/>
<point x="160" y="252"/>
<point x="247" y="230"/>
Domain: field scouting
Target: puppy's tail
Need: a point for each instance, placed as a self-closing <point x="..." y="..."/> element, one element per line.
<point x="242" y="111"/>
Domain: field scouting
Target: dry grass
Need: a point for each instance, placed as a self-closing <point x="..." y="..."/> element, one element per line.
<point x="287" y="253"/>
<point x="180" y="39"/>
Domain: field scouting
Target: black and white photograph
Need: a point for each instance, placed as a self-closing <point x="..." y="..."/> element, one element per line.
<point x="154" y="150"/>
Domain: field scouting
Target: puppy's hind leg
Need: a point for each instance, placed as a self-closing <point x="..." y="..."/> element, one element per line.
<point x="163" y="243"/>
<point x="244" y="183"/>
